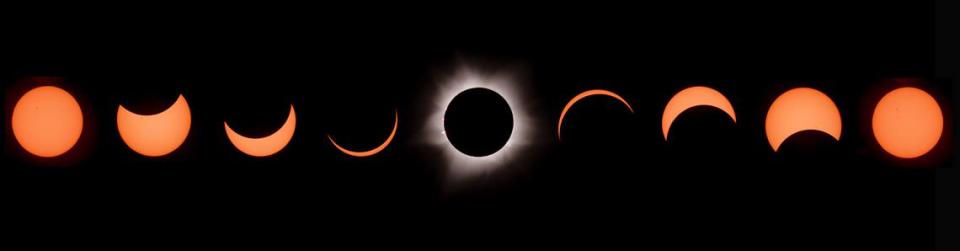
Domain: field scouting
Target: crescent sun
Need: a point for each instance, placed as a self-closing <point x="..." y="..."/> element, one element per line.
<point x="692" y="97"/>
<point x="584" y="95"/>
<point x="373" y="151"/>
<point x="268" y="145"/>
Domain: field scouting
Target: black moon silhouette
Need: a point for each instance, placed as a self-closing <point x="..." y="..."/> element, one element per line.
<point x="478" y="122"/>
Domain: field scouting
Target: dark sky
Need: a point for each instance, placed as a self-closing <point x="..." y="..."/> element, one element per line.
<point x="716" y="183"/>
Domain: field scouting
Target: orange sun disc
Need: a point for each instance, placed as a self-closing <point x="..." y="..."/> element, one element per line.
<point x="907" y="122"/>
<point x="47" y="121"/>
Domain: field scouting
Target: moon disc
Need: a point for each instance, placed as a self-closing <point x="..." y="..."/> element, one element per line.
<point x="478" y="122"/>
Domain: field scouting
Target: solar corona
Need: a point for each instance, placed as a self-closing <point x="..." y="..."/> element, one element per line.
<point x="479" y="120"/>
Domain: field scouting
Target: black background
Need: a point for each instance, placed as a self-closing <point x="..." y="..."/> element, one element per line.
<point x="347" y="69"/>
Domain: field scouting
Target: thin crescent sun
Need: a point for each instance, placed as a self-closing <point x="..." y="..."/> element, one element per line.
<point x="584" y="95"/>
<point x="158" y="134"/>
<point x="691" y="97"/>
<point x="373" y="151"/>
<point x="268" y="145"/>
<point x="801" y="109"/>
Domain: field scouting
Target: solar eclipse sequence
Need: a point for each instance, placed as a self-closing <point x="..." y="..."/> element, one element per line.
<point x="907" y="122"/>
<point x="642" y="125"/>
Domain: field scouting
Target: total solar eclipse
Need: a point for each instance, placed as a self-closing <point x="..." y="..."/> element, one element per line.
<point x="478" y="122"/>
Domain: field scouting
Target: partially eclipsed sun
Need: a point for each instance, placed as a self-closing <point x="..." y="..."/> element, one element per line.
<point x="585" y="94"/>
<point x="801" y="109"/>
<point x="373" y="151"/>
<point x="158" y="134"/>
<point x="692" y="97"/>
<point x="264" y="146"/>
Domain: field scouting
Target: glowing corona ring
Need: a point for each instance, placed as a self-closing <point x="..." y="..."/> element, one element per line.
<point x="461" y="165"/>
